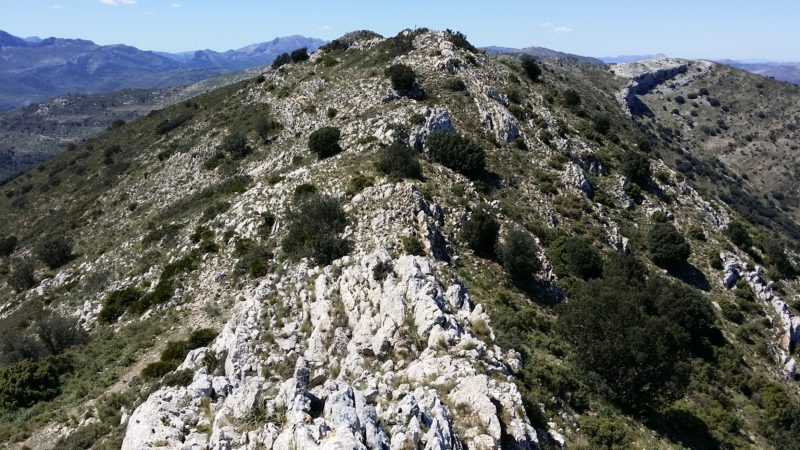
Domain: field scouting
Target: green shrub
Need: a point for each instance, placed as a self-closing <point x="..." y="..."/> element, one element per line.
<point x="667" y="246"/>
<point x="532" y="70"/>
<point x="456" y="85"/>
<point x="635" y="359"/>
<point x="403" y="77"/>
<point x="518" y="254"/>
<point x="117" y="302"/>
<point x="168" y="125"/>
<point x="571" y="98"/>
<point x="22" y="276"/>
<point x="413" y="246"/>
<point x="696" y="232"/>
<point x="776" y="256"/>
<point x="85" y="437"/>
<point x="28" y="382"/>
<point x="398" y="161"/>
<point x="214" y="210"/>
<point x="456" y="152"/>
<point x="58" y="333"/>
<point x="280" y="60"/>
<point x="680" y="100"/>
<point x="359" y="182"/>
<point x="459" y="39"/>
<point x="267" y="127"/>
<point x="235" y="143"/>
<point x="605" y="432"/>
<point x="739" y="235"/>
<point x="480" y="233"/>
<point x="683" y="306"/>
<point x="254" y="261"/>
<point x="299" y="55"/>
<point x="304" y="189"/>
<point x="635" y="166"/>
<point x="8" y="245"/>
<point x="202" y="337"/>
<point x="325" y="142"/>
<point x="55" y="252"/>
<point x="575" y="257"/>
<point x="158" y="369"/>
<point x="315" y="224"/>
<point x="601" y="124"/>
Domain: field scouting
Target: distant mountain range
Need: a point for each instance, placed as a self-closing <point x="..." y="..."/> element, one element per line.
<point x="783" y="71"/>
<point x="34" y="69"/>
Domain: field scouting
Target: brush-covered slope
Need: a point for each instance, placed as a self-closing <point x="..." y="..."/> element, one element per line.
<point x="399" y="243"/>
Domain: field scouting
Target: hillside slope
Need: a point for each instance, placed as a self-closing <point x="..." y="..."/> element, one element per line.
<point x="455" y="252"/>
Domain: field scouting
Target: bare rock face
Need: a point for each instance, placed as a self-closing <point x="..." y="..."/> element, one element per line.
<point x="387" y="357"/>
<point x="788" y="331"/>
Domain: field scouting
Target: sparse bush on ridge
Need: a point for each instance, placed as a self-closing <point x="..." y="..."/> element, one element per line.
<point x="299" y="55"/>
<point x="532" y="70"/>
<point x="315" y="224"/>
<point x="518" y="253"/>
<point x="667" y="246"/>
<point x="480" y="233"/>
<point x="456" y="152"/>
<point x="55" y="252"/>
<point x="398" y="161"/>
<point x="325" y="142"/>
<point x="403" y="77"/>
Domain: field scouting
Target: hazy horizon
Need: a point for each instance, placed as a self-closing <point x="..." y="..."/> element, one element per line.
<point x="712" y="30"/>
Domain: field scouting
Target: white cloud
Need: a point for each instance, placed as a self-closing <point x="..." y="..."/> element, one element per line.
<point x="57" y="6"/>
<point x="325" y="28"/>
<point x="176" y="5"/>
<point x="118" y="2"/>
<point x="556" y="29"/>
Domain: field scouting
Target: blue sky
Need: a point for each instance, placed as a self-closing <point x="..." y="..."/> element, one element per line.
<point x="768" y="29"/>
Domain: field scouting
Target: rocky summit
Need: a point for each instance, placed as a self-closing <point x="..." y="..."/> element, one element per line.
<point x="398" y="243"/>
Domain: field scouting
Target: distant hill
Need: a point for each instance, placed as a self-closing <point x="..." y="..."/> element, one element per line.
<point x="541" y="52"/>
<point x="33" y="70"/>
<point x="789" y="72"/>
<point x="630" y="58"/>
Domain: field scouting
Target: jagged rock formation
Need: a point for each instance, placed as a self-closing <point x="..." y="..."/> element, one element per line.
<point x="436" y="369"/>
<point x="788" y="331"/>
<point x="645" y="76"/>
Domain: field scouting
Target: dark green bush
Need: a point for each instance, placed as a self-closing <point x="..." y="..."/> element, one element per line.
<point x="696" y="232"/>
<point x="28" y="382"/>
<point x="8" y="245"/>
<point x="235" y="143"/>
<point x="254" y="261"/>
<point x="266" y="127"/>
<point x="776" y="256"/>
<point x="459" y="39"/>
<point x="85" y="437"/>
<point x="456" y="85"/>
<point x="117" y="302"/>
<point x="58" y="333"/>
<point x="739" y="235"/>
<point x="325" y="142"/>
<point x="682" y="305"/>
<point x="398" y="161"/>
<point x="668" y="248"/>
<point x="480" y="233"/>
<point x="519" y="255"/>
<point x="403" y="77"/>
<point x="635" y="359"/>
<point x="299" y="55"/>
<point x="571" y="98"/>
<point x="55" y="252"/>
<point x="280" y="60"/>
<point x="202" y="337"/>
<point x="168" y="125"/>
<point x="532" y="70"/>
<point x="304" y="189"/>
<point x="605" y="432"/>
<point x="158" y="369"/>
<point x="413" y="246"/>
<point x="680" y="100"/>
<point x="635" y="166"/>
<point x="601" y="124"/>
<point x="456" y="152"/>
<point x="575" y="257"/>
<point x="315" y="224"/>
<point x="22" y="277"/>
